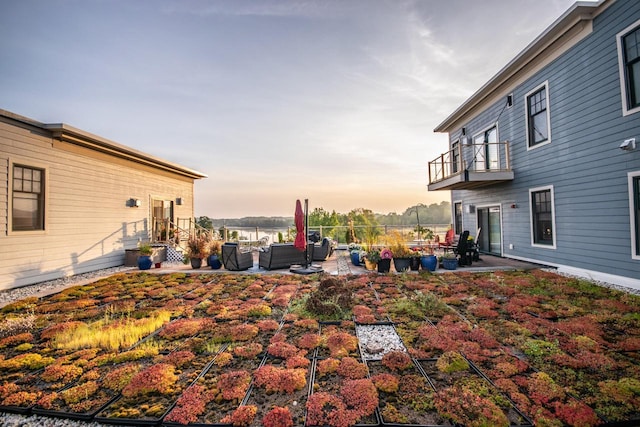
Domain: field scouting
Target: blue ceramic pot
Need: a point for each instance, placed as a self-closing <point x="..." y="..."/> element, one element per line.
<point x="144" y="262"/>
<point x="355" y="258"/>
<point x="214" y="262"/>
<point x="429" y="262"/>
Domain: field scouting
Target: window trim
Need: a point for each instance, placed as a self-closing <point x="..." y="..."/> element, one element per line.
<point x="632" y="219"/>
<point x="474" y="153"/>
<point x="45" y="204"/>
<point x="553" y="217"/>
<point x="544" y="85"/>
<point x="621" y="70"/>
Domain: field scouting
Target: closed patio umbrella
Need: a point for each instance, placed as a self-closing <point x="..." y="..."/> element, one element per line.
<point x="300" y="242"/>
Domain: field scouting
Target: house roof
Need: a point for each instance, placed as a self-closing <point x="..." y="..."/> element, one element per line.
<point x="85" y="139"/>
<point x="565" y="27"/>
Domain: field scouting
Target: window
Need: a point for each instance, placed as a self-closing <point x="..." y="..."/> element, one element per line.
<point x="538" y="130"/>
<point x="27" y="198"/>
<point x="485" y="150"/>
<point x="457" y="217"/>
<point x="542" y="217"/>
<point x="455" y="157"/>
<point x="629" y="64"/>
<point x="634" y="207"/>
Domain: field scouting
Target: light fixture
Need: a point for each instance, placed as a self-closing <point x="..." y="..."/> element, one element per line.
<point x="509" y="100"/>
<point x="464" y="131"/>
<point x="179" y="201"/>
<point x="134" y="203"/>
<point x="628" y="144"/>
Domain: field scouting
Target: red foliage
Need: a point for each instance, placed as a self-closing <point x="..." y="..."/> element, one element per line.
<point x="275" y="379"/>
<point x="248" y="351"/>
<point x="184" y="328"/>
<point x="158" y="378"/>
<point x="242" y="417"/>
<point x="190" y="405"/>
<point x="397" y="360"/>
<point x="385" y="382"/>
<point x="268" y="325"/>
<point x="327" y="366"/>
<point x="309" y="341"/>
<point x="310" y="324"/>
<point x="244" y="332"/>
<point x="278" y="417"/>
<point x="340" y="344"/>
<point x="360" y="396"/>
<point x="180" y="359"/>
<point x="282" y="350"/>
<point x="234" y="384"/>
<point x="297" y="362"/>
<point x="350" y="368"/>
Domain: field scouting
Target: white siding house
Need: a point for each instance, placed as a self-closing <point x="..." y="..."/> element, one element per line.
<point x="545" y="156"/>
<point x="72" y="202"/>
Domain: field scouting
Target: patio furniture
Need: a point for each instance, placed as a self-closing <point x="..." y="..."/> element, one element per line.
<point x="463" y="251"/>
<point x="475" y="246"/>
<point x="283" y="255"/>
<point x="235" y="260"/>
<point x="450" y="241"/>
<point x="322" y="251"/>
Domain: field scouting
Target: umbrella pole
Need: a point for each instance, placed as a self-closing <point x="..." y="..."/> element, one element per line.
<point x="306" y="232"/>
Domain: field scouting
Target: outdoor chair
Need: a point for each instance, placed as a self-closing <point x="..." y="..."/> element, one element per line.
<point x="322" y="251"/>
<point x="450" y="242"/>
<point x="465" y="257"/>
<point x="235" y="260"/>
<point x="474" y="247"/>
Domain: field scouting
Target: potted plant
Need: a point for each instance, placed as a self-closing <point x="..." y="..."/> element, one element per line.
<point x="414" y="259"/>
<point x="215" y="248"/>
<point x="144" y="259"/>
<point x="450" y="261"/>
<point x="429" y="261"/>
<point x="384" y="264"/>
<point x="355" y="251"/>
<point x="371" y="259"/>
<point x="197" y="250"/>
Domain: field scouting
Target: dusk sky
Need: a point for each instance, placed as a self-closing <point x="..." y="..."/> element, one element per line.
<point x="334" y="101"/>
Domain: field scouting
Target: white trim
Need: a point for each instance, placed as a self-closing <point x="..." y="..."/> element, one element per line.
<point x="544" y="85"/>
<point x="623" y="81"/>
<point x="45" y="206"/>
<point x="553" y="217"/>
<point x="613" y="279"/>
<point x="632" y="222"/>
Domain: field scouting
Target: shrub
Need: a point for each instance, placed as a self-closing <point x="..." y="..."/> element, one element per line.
<point x="452" y="361"/>
<point x="385" y="382"/>
<point x="242" y="417"/>
<point x="190" y="405"/>
<point x="397" y="360"/>
<point x="360" y="395"/>
<point x="234" y="384"/>
<point x="158" y="378"/>
<point x="275" y="379"/>
<point x="244" y="332"/>
<point x="340" y="344"/>
<point x="352" y="369"/>
<point x="282" y="350"/>
<point x="278" y="417"/>
<point x="180" y="359"/>
<point x="309" y="341"/>
<point x="327" y="366"/>
<point x="248" y="351"/>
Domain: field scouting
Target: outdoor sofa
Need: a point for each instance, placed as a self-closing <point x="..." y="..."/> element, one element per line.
<point x="283" y="255"/>
<point x="235" y="260"/>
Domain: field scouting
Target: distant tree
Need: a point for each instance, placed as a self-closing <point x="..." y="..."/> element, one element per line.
<point x="205" y="222"/>
<point x="320" y="217"/>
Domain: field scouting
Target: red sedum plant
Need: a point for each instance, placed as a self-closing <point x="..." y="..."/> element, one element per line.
<point x="278" y="417"/>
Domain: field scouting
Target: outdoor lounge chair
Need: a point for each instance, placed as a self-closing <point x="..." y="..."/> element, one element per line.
<point x="322" y="251"/>
<point x="235" y="260"/>
<point x="465" y="256"/>
<point x="283" y="255"/>
<point x="450" y="242"/>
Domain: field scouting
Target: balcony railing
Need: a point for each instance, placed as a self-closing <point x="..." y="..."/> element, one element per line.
<point x="472" y="165"/>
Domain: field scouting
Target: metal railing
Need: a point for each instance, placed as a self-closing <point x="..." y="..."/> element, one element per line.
<point x="483" y="157"/>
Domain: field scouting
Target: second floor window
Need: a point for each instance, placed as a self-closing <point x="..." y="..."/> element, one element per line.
<point x="538" y="117"/>
<point x="631" y="58"/>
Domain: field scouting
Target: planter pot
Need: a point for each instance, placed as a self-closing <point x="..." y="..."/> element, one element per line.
<point x="429" y="262"/>
<point x="414" y="263"/>
<point x="144" y="262"/>
<point x="370" y="265"/>
<point x="384" y="265"/>
<point x="401" y="264"/>
<point x="355" y="258"/>
<point x="450" y="263"/>
<point x="196" y="262"/>
<point x="214" y="262"/>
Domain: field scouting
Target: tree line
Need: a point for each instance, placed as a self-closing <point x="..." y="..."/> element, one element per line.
<point x="435" y="213"/>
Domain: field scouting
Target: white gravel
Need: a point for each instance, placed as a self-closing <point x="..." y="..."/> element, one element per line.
<point x="377" y="340"/>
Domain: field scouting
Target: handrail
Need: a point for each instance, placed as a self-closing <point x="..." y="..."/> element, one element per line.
<point x="482" y="157"/>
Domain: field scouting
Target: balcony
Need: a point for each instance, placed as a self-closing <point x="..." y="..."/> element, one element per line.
<point x="470" y="166"/>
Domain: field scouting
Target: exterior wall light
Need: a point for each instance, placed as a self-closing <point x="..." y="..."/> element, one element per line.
<point x="134" y="203"/>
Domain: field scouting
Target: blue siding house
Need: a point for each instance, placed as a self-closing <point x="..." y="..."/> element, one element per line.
<point x="545" y="157"/>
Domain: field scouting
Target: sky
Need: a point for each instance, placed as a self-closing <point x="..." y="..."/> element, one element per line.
<point x="334" y="101"/>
